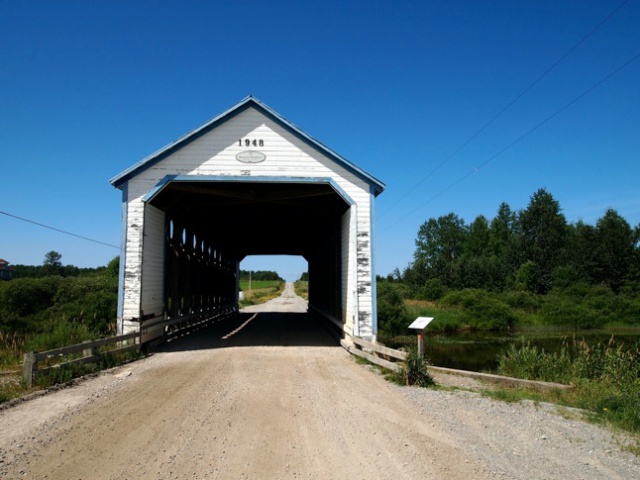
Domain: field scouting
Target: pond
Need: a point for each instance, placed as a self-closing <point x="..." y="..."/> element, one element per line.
<point x="479" y="351"/>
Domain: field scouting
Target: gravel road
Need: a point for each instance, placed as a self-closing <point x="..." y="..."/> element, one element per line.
<point x="271" y="396"/>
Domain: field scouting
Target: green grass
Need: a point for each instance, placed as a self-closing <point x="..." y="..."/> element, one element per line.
<point x="55" y="333"/>
<point x="261" y="291"/>
<point x="13" y="387"/>
<point x="258" y="284"/>
<point x="606" y="378"/>
<point x="449" y="319"/>
<point x="302" y="289"/>
<point x="12" y="347"/>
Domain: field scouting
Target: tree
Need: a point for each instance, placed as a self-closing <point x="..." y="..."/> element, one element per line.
<point x="543" y="232"/>
<point x="113" y="267"/>
<point x="439" y="245"/>
<point x="614" y="252"/>
<point x="52" y="263"/>
<point x="393" y="318"/>
<point x="477" y="239"/>
<point x="581" y="243"/>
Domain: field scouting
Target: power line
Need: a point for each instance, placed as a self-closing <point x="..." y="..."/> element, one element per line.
<point x="505" y="108"/>
<point x="58" y="230"/>
<point x="517" y="140"/>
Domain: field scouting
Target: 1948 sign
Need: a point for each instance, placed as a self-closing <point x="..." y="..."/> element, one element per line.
<point x="247" y="142"/>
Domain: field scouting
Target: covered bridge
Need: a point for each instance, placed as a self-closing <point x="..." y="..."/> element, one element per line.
<point x="248" y="182"/>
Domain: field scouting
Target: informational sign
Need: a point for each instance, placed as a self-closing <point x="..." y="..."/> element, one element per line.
<point x="421" y="323"/>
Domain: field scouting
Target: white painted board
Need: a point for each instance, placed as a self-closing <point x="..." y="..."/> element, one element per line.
<point x="421" y="323"/>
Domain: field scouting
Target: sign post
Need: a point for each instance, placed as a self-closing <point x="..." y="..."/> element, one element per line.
<point x="420" y="324"/>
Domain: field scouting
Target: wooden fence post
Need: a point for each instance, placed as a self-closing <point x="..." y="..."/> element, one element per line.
<point x="87" y="352"/>
<point x="28" y="366"/>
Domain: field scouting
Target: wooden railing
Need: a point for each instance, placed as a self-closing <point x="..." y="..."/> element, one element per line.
<point x="375" y="353"/>
<point x="383" y="356"/>
<point x="89" y="354"/>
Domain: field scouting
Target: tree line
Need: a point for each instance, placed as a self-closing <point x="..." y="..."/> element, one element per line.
<point x="52" y="266"/>
<point x="521" y="267"/>
<point x="259" y="275"/>
<point x="534" y="250"/>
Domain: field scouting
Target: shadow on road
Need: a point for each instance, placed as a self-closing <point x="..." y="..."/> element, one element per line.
<point x="271" y="329"/>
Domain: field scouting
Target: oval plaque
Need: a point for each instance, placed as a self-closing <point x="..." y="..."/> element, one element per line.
<point x="251" y="156"/>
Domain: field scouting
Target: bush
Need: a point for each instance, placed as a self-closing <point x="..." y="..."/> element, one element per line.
<point x="59" y="333"/>
<point x="522" y="300"/>
<point x="433" y="289"/>
<point x="25" y="296"/>
<point x="481" y="310"/>
<point x="532" y="363"/>
<point x="606" y="376"/>
<point x="558" y="310"/>
<point x="584" y="306"/>
<point x="393" y="318"/>
<point x="415" y="370"/>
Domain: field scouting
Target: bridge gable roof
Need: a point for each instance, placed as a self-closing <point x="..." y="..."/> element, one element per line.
<point x="249" y="102"/>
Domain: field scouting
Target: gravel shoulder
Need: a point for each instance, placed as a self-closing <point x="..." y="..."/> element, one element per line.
<point x="271" y="396"/>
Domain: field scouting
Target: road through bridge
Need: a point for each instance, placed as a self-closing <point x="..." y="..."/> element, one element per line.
<point x="269" y="395"/>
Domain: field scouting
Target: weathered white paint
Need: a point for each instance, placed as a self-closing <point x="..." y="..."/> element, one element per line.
<point x="215" y="154"/>
<point x="152" y="295"/>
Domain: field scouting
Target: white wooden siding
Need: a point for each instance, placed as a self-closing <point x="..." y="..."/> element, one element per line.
<point x="153" y="262"/>
<point x="349" y="287"/>
<point x="214" y="154"/>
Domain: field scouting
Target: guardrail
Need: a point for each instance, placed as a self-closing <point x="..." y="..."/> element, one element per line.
<point x="382" y="356"/>
<point x="89" y="354"/>
<point x="357" y="348"/>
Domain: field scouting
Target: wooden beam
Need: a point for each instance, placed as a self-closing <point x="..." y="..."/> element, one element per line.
<point x="390" y="352"/>
<point x="372" y="358"/>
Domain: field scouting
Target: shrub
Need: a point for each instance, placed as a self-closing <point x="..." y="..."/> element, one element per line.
<point x="25" y="296"/>
<point x="531" y="362"/>
<point x="433" y="289"/>
<point x="606" y="376"/>
<point x="415" y="370"/>
<point x="522" y="300"/>
<point x="59" y="333"/>
<point x="558" y="310"/>
<point x="481" y="310"/>
<point x="393" y="318"/>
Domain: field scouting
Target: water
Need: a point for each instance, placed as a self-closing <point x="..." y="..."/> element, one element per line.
<point x="479" y="352"/>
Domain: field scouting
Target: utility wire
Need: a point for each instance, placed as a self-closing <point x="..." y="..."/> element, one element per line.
<point x="517" y="140"/>
<point x="58" y="230"/>
<point x="505" y="108"/>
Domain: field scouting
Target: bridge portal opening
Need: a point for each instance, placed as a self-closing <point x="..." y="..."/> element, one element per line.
<point x="247" y="182"/>
<point x="211" y="228"/>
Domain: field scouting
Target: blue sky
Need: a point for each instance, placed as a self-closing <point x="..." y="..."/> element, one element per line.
<point x="87" y="89"/>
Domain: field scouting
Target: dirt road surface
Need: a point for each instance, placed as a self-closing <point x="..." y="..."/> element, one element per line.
<point x="267" y="396"/>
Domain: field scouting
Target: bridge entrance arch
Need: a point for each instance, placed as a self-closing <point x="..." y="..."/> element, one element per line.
<point x="248" y="182"/>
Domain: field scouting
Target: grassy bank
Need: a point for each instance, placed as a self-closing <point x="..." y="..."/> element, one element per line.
<point x="479" y="310"/>
<point x="606" y="378"/>
<point x="261" y="291"/>
<point x="301" y="288"/>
